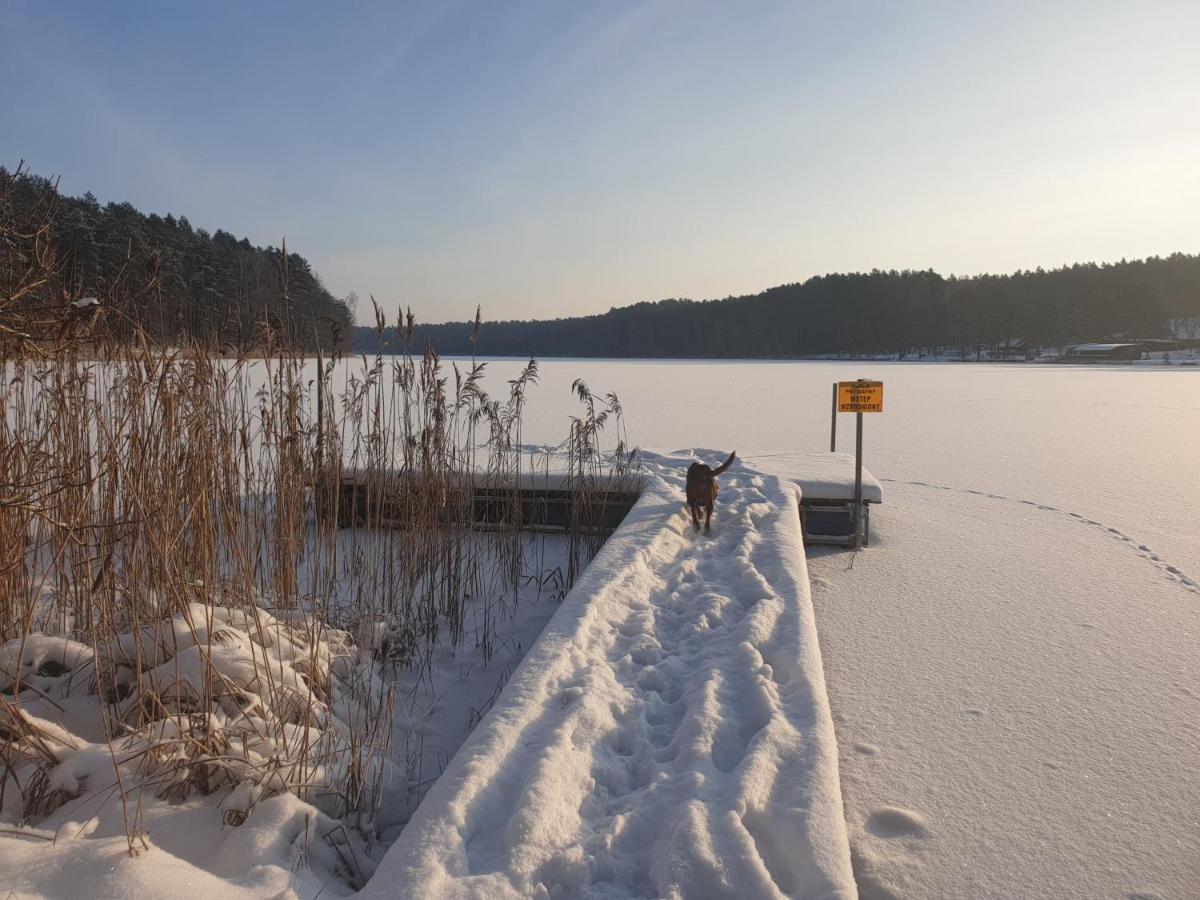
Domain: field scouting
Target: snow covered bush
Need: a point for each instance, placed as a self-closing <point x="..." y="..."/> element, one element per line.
<point x="236" y="703"/>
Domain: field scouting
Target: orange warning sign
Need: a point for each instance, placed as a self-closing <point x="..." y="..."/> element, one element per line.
<point x="860" y="396"/>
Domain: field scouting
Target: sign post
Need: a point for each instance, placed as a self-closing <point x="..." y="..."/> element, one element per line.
<point x="858" y="504"/>
<point x="858" y="397"/>
<point x="833" y="421"/>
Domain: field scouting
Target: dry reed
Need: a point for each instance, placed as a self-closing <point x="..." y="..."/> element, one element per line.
<point x="172" y="517"/>
<point x="234" y="557"/>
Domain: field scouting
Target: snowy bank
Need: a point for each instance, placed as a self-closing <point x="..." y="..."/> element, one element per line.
<point x="247" y="791"/>
<point x="668" y="735"/>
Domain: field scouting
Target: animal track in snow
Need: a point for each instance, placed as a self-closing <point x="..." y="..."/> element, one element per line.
<point x="733" y="741"/>
<point x="646" y="654"/>
<point x="1174" y="573"/>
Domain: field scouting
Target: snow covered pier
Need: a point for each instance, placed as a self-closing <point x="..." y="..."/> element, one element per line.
<point x="669" y="733"/>
<point x="826" y="482"/>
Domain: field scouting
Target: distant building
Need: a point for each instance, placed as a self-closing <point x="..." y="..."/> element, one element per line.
<point x="1015" y="348"/>
<point x="1162" y="345"/>
<point x="1106" y="352"/>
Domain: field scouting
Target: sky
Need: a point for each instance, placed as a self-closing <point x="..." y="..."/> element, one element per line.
<point x="564" y="157"/>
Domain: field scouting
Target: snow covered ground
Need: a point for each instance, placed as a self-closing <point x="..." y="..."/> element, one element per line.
<point x="668" y="735"/>
<point x="1010" y="667"/>
<point x="1017" y="702"/>
<point x="212" y="795"/>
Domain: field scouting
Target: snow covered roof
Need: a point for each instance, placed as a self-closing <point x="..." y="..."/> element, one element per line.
<point x="1101" y="348"/>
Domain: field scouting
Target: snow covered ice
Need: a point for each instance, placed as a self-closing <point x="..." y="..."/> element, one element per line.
<point x="1016" y="699"/>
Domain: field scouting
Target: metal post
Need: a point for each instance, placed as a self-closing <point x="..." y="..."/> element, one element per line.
<point x="833" y="422"/>
<point x="858" y="504"/>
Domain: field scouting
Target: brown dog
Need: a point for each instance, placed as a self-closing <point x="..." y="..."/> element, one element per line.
<point x="702" y="489"/>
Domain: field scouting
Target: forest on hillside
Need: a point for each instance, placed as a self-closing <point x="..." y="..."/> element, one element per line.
<point x="905" y="314"/>
<point x="163" y="277"/>
<point x="155" y="274"/>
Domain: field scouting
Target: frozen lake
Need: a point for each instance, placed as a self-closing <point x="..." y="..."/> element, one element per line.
<point x="997" y="674"/>
<point x="1117" y="444"/>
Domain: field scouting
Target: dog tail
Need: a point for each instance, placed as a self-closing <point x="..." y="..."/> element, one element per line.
<point x="725" y="465"/>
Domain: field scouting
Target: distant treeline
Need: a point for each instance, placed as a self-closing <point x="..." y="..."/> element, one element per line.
<point x="155" y="273"/>
<point x="862" y="314"/>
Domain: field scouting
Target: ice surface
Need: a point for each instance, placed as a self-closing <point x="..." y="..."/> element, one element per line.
<point x="438" y="705"/>
<point x="1118" y="444"/>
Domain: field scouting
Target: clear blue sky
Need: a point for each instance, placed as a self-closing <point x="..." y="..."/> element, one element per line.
<point x="555" y="158"/>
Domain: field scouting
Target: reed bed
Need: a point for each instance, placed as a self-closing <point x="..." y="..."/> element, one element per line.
<point x="185" y="608"/>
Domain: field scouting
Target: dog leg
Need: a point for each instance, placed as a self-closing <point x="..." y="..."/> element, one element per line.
<point x="695" y="508"/>
<point x="708" y="517"/>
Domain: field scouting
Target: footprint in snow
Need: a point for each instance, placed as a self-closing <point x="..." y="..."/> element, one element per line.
<point x="644" y="655"/>
<point x="633" y="627"/>
<point x="894" y="821"/>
